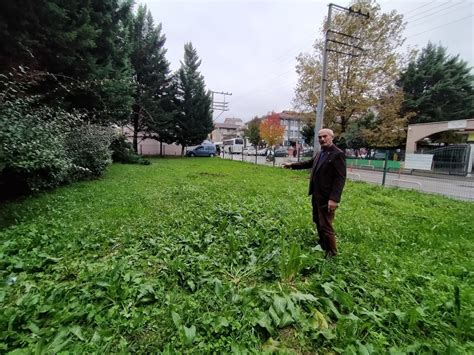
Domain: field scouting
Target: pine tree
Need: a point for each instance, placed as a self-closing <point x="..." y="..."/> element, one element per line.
<point x="76" y="52"/>
<point x="154" y="106"/>
<point x="194" y="121"/>
<point x="438" y="87"/>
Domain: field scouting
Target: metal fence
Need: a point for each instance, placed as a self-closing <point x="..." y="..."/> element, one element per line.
<point x="453" y="159"/>
<point x="388" y="173"/>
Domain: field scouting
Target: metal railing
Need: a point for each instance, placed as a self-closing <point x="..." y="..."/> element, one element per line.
<point x="452" y="160"/>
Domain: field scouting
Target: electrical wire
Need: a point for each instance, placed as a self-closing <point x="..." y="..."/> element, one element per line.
<point x="424" y="11"/>
<point x="446" y="24"/>
<point x="419" y="7"/>
<point x="434" y="13"/>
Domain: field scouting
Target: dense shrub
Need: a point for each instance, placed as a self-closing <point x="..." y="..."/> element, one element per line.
<point x="88" y="148"/>
<point x="44" y="147"/>
<point x="33" y="141"/>
<point x="122" y="152"/>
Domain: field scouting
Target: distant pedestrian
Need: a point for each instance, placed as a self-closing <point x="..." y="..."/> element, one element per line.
<point x="328" y="176"/>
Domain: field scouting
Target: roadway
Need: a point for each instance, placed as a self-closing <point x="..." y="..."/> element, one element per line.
<point x="461" y="188"/>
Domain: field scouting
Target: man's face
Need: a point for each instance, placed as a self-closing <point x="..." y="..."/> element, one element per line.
<point x="325" y="139"/>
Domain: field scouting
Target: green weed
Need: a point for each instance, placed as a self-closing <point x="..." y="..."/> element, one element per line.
<point x="206" y="255"/>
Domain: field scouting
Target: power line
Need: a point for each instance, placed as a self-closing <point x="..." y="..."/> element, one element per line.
<point x="433" y="13"/>
<point x="424" y="22"/>
<point x="419" y="7"/>
<point x="446" y="24"/>
<point x="427" y="10"/>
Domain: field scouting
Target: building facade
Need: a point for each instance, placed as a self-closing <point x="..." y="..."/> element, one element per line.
<point x="293" y="124"/>
<point x="230" y="128"/>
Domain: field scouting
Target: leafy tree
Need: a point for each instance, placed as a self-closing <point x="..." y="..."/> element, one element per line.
<point x="253" y="132"/>
<point x="153" y="108"/>
<point x="353" y="83"/>
<point x="354" y="135"/>
<point x="271" y="131"/>
<point x="307" y="132"/>
<point x="438" y="87"/>
<point x="382" y="126"/>
<point x="388" y="126"/>
<point x="194" y="121"/>
<point x="80" y="49"/>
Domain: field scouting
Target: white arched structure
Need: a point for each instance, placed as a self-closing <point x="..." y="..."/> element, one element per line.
<point x="418" y="131"/>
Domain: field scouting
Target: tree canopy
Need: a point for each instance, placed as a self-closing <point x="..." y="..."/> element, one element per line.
<point x="271" y="130"/>
<point x="355" y="79"/>
<point x="253" y="132"/>
<point x="78" y="53"/>
<point x="437" y="87"/>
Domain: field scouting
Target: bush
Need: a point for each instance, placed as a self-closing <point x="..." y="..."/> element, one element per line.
<point x="43" y="147"/>
<point x="122" y="152"/>
<point x="32" y="141"/>
<point x="88" y="147"/>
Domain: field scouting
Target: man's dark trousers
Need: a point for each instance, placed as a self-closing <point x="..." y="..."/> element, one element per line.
<point x="323" y="220"/>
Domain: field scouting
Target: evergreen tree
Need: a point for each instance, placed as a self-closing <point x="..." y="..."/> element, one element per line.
<point x="76" y="52"/>
<point x="194" y="120"/>
<point x="307" y="132"/>
<point x="438" y="87"/>
<point x="253" y="132"/>
<point x="154" y="106"/>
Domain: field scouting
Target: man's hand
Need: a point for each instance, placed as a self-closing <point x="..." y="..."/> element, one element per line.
<point x="332" y="205"/>
<point x="286" y="165"/>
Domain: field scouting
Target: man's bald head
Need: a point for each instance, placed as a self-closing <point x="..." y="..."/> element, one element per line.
<point x="325" y="137"/>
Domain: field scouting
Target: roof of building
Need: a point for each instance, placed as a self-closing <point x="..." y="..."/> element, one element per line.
<point x="234" y="120"/>
<point x="290" y="115"/>
<point x="226" y="126"/>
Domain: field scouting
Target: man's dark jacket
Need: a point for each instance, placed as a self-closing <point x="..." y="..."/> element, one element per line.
<point x="327" y="181"/>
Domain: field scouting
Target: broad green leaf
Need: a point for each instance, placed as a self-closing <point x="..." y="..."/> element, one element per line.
<point x="279" y="304"/>
<point x="176" y="319"/>
<point x="274" y="316"/>
<point x="218" y="289"/>
<point x="76" y="330"/>
<point x="319" y="321"/>
<point x="298" y="296"/>
<point x="285" y="320"/>
<point x="189" y="334"/>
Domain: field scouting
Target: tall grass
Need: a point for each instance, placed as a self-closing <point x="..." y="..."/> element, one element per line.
<point x="203" y="255"/>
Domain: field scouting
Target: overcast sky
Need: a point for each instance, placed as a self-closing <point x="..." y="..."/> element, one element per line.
<point x="248" y="47"/>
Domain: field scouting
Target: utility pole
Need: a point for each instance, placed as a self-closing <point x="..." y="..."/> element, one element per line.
<point x="220" y="105"/>
<point x="322" y="93"/>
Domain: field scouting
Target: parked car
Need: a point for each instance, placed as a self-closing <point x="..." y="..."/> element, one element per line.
<point x="281" y="152"/>
<point x="379" y="156"/>
<point x="262" y="152"/>
<point x="249" y="151"/>
<point x="202" y="151"/>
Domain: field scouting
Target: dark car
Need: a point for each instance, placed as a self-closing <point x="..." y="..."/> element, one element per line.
<point x="203" y="151"/>
<point x="281" y="152"/>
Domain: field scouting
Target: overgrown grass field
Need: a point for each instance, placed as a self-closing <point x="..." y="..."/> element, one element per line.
<point x="207" y="255"/>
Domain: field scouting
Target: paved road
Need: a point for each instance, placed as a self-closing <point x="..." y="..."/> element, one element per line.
<point x="459" y="188"/>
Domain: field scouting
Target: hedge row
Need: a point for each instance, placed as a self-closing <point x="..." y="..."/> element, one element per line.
<point x="42" y="147"/>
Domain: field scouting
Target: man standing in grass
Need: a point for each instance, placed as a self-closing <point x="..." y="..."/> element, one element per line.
<point x="328" y="176"/>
